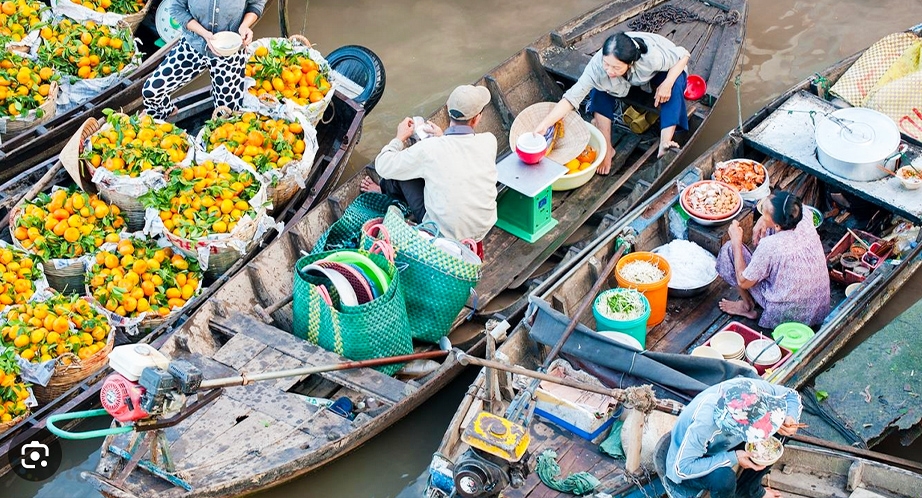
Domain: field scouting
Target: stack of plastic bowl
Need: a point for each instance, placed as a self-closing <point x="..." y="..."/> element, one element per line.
<point x="531" y="147"/>
<point x="758" y="358"/>
<point x="729" y="344"/>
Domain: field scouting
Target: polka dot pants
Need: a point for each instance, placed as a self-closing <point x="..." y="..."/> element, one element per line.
<point x="181" y="66"/>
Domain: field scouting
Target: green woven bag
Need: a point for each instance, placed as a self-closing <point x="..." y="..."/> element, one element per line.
<point x="372" y="330"/>
<point x="436" y="284"/>
<point x="344" y="233"/>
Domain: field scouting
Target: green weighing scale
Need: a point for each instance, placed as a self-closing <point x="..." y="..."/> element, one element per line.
<point x="167" y="27"/>
<point x="524" y="207"/>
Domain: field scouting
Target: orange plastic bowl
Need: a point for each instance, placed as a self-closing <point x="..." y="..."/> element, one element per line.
<point x="695" y="87"/>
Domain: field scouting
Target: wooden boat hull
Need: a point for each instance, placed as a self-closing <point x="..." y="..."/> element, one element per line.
<point x="217" y="329"/>
<point x="690" y="321"/>
<point x="337" y="140"/>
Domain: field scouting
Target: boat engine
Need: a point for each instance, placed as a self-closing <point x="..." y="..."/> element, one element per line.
<point x="146" y="384"/>
<point x="497" y="457"/>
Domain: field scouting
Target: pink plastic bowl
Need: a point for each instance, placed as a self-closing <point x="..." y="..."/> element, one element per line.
<point x="695" y="87"/>
<point x="531" y="148"/>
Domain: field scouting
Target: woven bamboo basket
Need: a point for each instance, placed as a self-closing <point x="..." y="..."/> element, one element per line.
<point x="220" y="255"/>
<point x="67" y="376"/>
<point x="64" y="275"/>
<point x="132" y="208"/>
<point x="5" y="426"/>
<point x="286" y="187"/>
<point x="17" y="125"/>
<point x="134" y="20"/>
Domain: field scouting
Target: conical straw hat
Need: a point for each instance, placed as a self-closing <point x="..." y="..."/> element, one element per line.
<point x="575" y="133"/>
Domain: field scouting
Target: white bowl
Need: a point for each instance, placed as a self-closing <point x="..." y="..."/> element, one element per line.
<point x="226" y="43"/>
<point x="769" y="461"/>
<point x="728" y="343"/>
<point x="771" y="356"/>
<point x="580" y="178"/>
<point x="742" y="363"/>
<point x="623" y="339"/>
<point x="707" y="352"/>
<point x="908" y="183"/>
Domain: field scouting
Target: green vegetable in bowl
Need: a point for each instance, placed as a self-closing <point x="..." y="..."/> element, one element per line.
<point x="623" y="305"/>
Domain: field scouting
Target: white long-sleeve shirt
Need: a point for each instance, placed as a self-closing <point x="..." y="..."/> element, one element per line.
<point x="460" y="176"/>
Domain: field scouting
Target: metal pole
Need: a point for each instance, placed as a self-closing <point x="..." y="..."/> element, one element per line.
<point x="242" y="380"/>
<point x="463" y="358"/>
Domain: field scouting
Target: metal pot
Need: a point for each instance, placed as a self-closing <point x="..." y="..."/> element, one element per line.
<point x="855" y="143"/>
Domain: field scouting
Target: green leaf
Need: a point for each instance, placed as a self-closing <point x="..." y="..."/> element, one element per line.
<point x="821" y="396"/>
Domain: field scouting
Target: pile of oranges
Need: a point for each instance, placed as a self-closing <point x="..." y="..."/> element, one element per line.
<point x="260" y="141"/>
<point x="18" y="273"/>
<point x="130" y="145"/>
<point x="283" y="73"/>
<point x="24" y="85"/>
<point x="66" y="224"/>
<point x="87" y="50"/>
<point x="582" y="161"/>
<point x="206" y="199"/>
<point x="18" y="18"/>
<point x="140" y="277"/>
<point x="13" y="393"/>
<point x="47" y="330"/>
<point x="113" y="6"/>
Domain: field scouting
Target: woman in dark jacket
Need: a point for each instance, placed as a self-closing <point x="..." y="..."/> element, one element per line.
<point x="200" y="20"/>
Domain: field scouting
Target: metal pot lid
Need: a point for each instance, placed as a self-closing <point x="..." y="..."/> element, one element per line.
<point x="857" y="135"/>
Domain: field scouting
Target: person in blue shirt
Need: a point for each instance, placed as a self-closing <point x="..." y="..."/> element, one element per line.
<point x="709" y="437"/>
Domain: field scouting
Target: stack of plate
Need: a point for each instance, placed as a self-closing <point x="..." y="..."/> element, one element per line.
<point x="355" y="277"/>
<point x="729" y="344"/>
<point x="706" y="352"/>
<point x="771" y="355"/>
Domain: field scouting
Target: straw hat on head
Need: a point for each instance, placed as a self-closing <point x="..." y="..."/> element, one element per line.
<point x="575" y="133"/>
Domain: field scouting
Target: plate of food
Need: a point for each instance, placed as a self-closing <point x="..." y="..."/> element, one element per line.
<point x="765" y="452"/>
<point x="748" y="177"/>
<point x="711" y="201"/>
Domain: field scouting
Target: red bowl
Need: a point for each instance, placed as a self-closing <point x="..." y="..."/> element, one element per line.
<point x="695" y="87"/>
<point x="703" y="215"/>
<point x="530" y="157"/>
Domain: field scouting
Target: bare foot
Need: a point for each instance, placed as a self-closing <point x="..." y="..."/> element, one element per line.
<point x="738" y="308"/>
<point x="666" y="146"/>
<point x="771" y="493"/>
<point x="369" y="185"/>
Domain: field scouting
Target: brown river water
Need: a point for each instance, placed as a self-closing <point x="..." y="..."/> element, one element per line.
<point x="428" y="48"/>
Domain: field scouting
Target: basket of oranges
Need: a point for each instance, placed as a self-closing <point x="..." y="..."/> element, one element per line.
<point x="280" y="149"/>
<point x="21" y="276"/>
<point x="140" y="285"/>
<point x="63" y="329"/>
<point x="13" y="392"/>
<point x="28" y="93"/>
<point x="127" y="155"/>
<point x="110" y="12"/>
<point x="22" y="19"/>
<point x="288" y="70"/>
<point x="213" y="212"/>
<point x="61" y="227"/>
<point x="89" y="56"/>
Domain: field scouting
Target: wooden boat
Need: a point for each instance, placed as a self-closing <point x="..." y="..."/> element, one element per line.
<point x="337" y="140"/>
<point x="690" y="321"/>
<point x="225" y="334"/>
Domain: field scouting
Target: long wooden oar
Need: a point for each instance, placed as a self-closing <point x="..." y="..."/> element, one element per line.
<point x="521" y="408"/>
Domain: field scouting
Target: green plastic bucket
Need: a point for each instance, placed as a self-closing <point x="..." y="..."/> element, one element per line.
<point x="636" y="328"/>
<point x="795" y="335"/>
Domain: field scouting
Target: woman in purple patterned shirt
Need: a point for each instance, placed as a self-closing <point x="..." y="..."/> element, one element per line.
<point x="786" y="274"/>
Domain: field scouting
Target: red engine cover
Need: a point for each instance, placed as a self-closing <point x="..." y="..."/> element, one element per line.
<point x="122" y="399"/>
